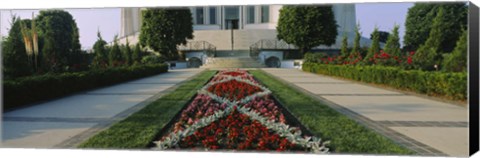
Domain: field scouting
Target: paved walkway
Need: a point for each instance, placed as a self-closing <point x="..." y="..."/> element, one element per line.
<point x="65" y="122"/>
<point x="423" y="125"/>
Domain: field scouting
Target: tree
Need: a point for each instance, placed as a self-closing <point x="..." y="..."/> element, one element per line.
<point x="163" y="29"/>
<point x="392" y="46"/>
<point x="58" y="28"/>
<point x="101" y="58"/>
<point x="356" y="41"/>
<point x="344" y="49"/>
<point x="457" y="60"/>
<point x="419" y="23"/>
<point x="383" y="36"/>
<point x="14" y="56"/>
<point x="375" y="47"/>
<point x="307" y="26"/>
<point x="137" y="54"/>
<point x="115" y="56"/>
<point x="127" y="54"/>
<point x="428" y="54"/>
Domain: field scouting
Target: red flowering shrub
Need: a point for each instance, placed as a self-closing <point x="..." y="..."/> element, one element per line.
<point x="237" y="131"/>
<point x="201" y="106"/>
<point x="266" y="107"/>
<point x="233" y="90"/>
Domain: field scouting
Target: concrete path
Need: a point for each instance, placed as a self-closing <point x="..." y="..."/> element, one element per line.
<point x="421" y="124"/>
<point x="65" y="122"/>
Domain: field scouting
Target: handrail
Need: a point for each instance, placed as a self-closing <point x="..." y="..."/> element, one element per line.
<point x="269" y="44"/>
<point x="198" y="46"/>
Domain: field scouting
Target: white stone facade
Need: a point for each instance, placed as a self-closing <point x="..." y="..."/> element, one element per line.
<point x="213" y="23"/>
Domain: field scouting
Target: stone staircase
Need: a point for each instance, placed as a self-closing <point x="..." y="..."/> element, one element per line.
<point x="243" y="39"/>
<point x="232" y="62"/>
<point x="232" y="59"/>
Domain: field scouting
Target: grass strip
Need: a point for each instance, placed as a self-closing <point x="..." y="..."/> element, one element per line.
<point x="141" y="128"/>
<point x="346" y="135"/>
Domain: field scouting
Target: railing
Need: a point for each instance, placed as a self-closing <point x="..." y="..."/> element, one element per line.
<point x="269" y="44"/>
<point x="199" y="46"/>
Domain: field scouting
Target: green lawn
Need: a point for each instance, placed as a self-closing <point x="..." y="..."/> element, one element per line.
<point x="140" y="129"/>
<point x="345" y="134"/>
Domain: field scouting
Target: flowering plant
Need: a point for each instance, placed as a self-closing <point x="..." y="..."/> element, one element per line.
<point x="233" y="111"/>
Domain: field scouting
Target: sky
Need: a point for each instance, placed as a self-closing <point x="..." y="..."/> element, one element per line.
<point x="107" y="20"/>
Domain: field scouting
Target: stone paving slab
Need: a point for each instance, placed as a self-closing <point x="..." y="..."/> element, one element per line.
<point x="452" y="141"/>
<point x="39" y="134"/>
<point x="81" y="106"/>
<point x="132" y="89"/>
<point x="311" y="80"/>
<point x="170" y="80"/>
<point x="401" y="108"/>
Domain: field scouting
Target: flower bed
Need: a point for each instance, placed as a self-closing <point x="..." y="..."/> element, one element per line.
<point x="234" y="112"/>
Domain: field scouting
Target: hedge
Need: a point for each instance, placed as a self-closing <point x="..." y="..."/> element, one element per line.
<point x="33" y="89"/>
<point x="447" y="85"/>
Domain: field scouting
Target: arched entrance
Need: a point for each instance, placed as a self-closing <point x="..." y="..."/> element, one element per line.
<point x="273" y="62"/>
<point x="194" y="62"/>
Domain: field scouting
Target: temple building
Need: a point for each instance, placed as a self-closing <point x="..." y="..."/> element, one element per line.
<point x="241" y="31"/>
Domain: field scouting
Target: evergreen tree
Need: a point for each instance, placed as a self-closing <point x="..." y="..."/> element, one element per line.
<point x="419" y="23"/>
<point x="356" y="41"/>
<point x="392" y="46"/>
<point x="429" y="53"/>
<point x="137" y="54"/>
<point x="344" y="49"/>
<point x="14" y="56"/>
<point x="457" y="60"/>
<point x="127" y="54"/>
<point x="375" y="47"/>
<point x="101" y="58"/>
<point x="115" y="56"/>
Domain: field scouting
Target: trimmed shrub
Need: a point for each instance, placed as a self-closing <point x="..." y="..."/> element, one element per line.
<point x="33" y="89"/>
<point x="450" y="85"/>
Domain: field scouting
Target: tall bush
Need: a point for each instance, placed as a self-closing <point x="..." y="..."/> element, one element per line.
<point x="457" y="60"/>
<point x="374" y="48"/>
<point x="429" y="53"/>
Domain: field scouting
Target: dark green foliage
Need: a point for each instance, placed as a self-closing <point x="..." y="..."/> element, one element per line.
<point x="345" y="134"/>
<point x="383" y="36"/>
<point x="32" y="89"/>
<point x="392" y="46"/>
<point x="356" y="41"/>
<point x="419" y="22"/>
<point x="457" y="60"/>
<point x="375" y="47"/>
<point x="127" y="54"/>
<point x="139" y="130"/>
<point x="448" y="85"/>
<point x="165" y="28"/>
<point x="115" y="56"/>
<point x="61" y="37"/>
<point x="429" y="54"/>
<point x="314" y="57"/>
<point x="344" y="50"/>
<point x="152" y="59"/>
<point x="307" y="26"/>
<point x="101" y="55"/>
<point x="137" y="54"/>
<point x="14" y="56"/>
